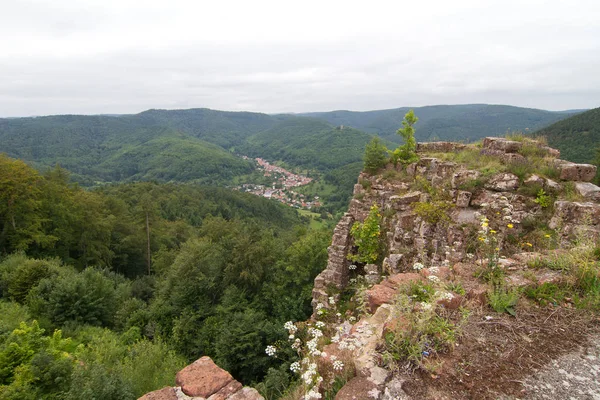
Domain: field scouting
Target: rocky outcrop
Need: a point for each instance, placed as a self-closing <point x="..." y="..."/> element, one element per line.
<point x="410" y="238"/>
<point x="336" y="272"/>
<point x="204" y="380"/>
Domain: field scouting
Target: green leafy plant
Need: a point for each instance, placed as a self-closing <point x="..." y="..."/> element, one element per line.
<point x="543" y="199"/>
<point x="502" y="299"/>
<point x="367" y="237"/>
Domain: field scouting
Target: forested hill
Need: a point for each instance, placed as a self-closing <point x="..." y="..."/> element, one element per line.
<point x="577" y="137"/>
<point x="467" y="122"/>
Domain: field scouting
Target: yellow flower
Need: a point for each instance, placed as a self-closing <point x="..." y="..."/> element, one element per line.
<point x="485" y="224"/>
<point x="482" y="239"/>
<point x="529" y="244"/>
<point x="493" y="231"/>
<point x="510" y="226"/>
<point x="546" y="235"/>
<point x="497" y="248"/>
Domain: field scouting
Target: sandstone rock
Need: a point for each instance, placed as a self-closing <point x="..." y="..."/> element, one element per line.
<point x="246" y="393"/>
<point x="461" y="177"/>
<point x="439" y="147"/>
<point x="503" y="182"/>
<point x="572" y="215"/>
<point x="359" y="388"/>
<point x="502" y="144"/>
<point x="202" y="378"/>
<point x="225" y="392"/>
<point x="483" y="197"/>
<point x="378" y="295"/>
<point x="577" y="172"/>
<point x="534" y="180"/>
<point x="391" y="264"/>
<point x="167" y="393"/>
<point x="400" y="203"/>
<point x="452" y="304"/>
<point x="393" y="391"/>
<point x="550" y="184"/>
<point x="588" y="190"/>
<point x="551" y="152"/>
<point x="465" y="216"/>
<point x="397" y="280"/>
<point x="463" y="198"/>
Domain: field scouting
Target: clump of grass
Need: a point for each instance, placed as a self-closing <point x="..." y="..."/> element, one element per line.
<point x="547" y="293"/>
<point x="365" y="183"/>
<point x="504" y="300"/>
<point x="456" y="287"/>
<point x="423" y="334"/>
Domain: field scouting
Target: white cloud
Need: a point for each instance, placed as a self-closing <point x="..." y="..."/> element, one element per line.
<point x="125" y="56"/>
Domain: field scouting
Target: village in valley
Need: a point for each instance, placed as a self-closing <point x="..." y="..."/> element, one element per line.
<point x="282" y="187"/>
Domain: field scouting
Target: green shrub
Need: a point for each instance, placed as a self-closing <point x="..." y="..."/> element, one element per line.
<point x="434" y="211"/>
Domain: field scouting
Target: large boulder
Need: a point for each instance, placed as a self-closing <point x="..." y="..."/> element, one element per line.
<point x="202" y="378"/>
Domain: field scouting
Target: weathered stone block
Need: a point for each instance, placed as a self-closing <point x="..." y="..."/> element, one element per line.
<point x="577" y="172"/>
<point x="502" y="144"/>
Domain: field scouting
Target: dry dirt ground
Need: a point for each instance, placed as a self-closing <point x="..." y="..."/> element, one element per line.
<point x="551" y="353"/>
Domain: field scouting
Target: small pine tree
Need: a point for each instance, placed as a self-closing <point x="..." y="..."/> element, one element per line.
<point x="375" y="156"/>
<point x="407" y="153"/>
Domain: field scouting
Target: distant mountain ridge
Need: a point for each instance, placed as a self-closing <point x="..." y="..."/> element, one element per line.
<point x="200" y="145"/>
<point x="577" y="137"/>
<point x="466" y="122"/>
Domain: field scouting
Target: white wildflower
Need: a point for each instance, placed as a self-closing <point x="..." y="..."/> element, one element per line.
<point x="320" y="324"/>
<point x="338" y="365"/>
<point x="425" y="306"/>
<point x="271" y="350"/>
<point x="295" y="367"/>
<point x="352" y="267"/>
<point x="332" y="300"/>
<point x="418" y="266"/>
<point x="433" y="279"/>
<point x="433" y="270"/>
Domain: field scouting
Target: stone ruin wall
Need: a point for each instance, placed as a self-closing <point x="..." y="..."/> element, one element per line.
<point x="411" y="239"/>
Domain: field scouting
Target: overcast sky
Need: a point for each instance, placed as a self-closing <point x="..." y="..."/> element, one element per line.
<point x="124" y="56"/>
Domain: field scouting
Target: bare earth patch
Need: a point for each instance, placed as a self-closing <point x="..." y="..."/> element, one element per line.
<point x="498" y="358"/>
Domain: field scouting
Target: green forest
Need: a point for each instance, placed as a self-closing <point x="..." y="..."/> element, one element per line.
<point x="577" y="138"/>
<point x="204" y="146"/>
<point x="107" y="293"/>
